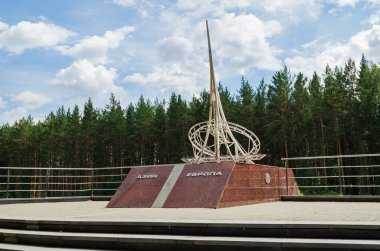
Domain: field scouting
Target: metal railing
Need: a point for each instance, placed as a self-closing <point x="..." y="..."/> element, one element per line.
<point x="357" y="174"/>
<point x="320" y="175"/>
<point x="44" y="182"/>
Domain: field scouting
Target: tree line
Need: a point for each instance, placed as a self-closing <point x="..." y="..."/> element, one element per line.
<point x="335" y="113"/>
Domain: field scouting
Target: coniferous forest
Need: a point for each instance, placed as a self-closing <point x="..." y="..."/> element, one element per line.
<point x="337" y="112"/>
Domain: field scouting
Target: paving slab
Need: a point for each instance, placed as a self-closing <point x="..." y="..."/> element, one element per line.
<point x="276" y="211"/>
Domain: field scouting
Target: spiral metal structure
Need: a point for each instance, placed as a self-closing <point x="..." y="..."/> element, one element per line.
<point x="214" y="140"/>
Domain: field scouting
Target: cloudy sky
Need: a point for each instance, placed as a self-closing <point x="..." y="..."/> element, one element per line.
<point x="55" y="53"/>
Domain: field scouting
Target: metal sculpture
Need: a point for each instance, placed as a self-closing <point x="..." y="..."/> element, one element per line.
<point x="214" y="140"/>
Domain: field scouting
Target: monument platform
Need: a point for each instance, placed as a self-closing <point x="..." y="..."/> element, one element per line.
<point x="206" y="185"/>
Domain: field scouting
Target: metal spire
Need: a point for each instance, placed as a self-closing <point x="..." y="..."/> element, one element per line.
<point x="213" y="140"/>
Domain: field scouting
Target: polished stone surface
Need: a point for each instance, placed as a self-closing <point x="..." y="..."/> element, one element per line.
<point x="206" y="185"/>
<point x="141" y="187"/>
<point x="200" y="185"/>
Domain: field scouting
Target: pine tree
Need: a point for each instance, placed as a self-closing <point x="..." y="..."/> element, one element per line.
<point x="279" y="112"/>
<point x="259" y="119"/>
<point x="245" y="104"/>
<point x="159" y="133"/>
<point x="301" y="117"/>
<point x="113" y="116"/>
<point x="228" y="103"/>
<point x="144" y="139"/>
<point x="368" y="89"/>
<point x="131" y="147"/>
<point x="178" y="127"/>
<point x="88" y="128"/>
<point x="199" y="108"/>
<point x="73" y="139"/>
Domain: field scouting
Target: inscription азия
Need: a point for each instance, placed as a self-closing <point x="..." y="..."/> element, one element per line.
<point x="147" y="176"/>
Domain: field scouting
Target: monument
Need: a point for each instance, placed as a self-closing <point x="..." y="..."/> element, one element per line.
<point x="216" y="136"/>
<point x="221" y="173"/>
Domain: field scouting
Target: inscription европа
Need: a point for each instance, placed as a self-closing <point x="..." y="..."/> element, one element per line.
<point x="204" y="174"/>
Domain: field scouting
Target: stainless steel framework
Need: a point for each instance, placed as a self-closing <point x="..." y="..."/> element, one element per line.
<point x="214" y="140"/>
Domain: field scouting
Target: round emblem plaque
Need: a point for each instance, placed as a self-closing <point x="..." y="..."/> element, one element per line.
<point x="267" y="178"/>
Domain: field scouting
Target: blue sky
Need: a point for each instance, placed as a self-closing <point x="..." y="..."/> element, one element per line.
<point x="55" y="53"/>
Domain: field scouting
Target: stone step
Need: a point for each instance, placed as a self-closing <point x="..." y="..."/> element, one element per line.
<point x="332" y="198"/>
<point x="285" y="229"/>
<point x="177" y="242"/>
<point x="16" y="247"/>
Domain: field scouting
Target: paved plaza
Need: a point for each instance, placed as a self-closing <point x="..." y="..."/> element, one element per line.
<point x="276" y="211"/>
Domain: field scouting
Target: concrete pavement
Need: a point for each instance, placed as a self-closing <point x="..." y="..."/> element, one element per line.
<point x="269" y="226"/>
<point x="276" y="211"/>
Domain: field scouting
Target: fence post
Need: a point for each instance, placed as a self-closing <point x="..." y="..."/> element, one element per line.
<point x="92" y="182"/>
<point x="340" y="177"/>
<point x="8" y="173"/>
<point x="46" y="182"/>
<point x="286" y="174"/>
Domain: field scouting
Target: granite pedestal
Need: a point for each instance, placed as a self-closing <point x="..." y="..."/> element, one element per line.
<point x="206" y="185"/>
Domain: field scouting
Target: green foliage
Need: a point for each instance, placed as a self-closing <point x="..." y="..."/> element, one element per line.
<point x="178" y="125"/>
<point x="279" y="113"/>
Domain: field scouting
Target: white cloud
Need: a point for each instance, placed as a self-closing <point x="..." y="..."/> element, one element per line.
<point x="188" y="5"/>
<point x="228" y="4"/>
<point x="239" y="44"/>
<point x="145" y="8"/>
<point x="171" y="78"/>
<point x="27" y="35"/>
<point x="12" y="115"/>
<point x="3" y="26"/>
<point x="241" y="41"/>
<point x="219" y="4"/>
<point x="374" y="2"/>
<point x="124" y="3"/>
<point x="26" y="101"/>
<point x="272" y="28"/>
<point x="294" y="10"/>
<point x="374" y="18"/>
<point x="342" y="3"/>
<point x="89" y="79"/>
<point x="42" y="18"/>
<point x="174" y="48"/>
<point x="2" y="103"/>
<point x="367" y="42"/>
<point x="95" y="48"/>
<point x="31" y="100"/>
<point x="200" y="8"/>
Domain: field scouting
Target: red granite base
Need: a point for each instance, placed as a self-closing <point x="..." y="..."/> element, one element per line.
<point x="138" y="190"/>
<point x="255" y="183"/>
<point x="200" y="185"/>
<point x="207" y="185"/>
